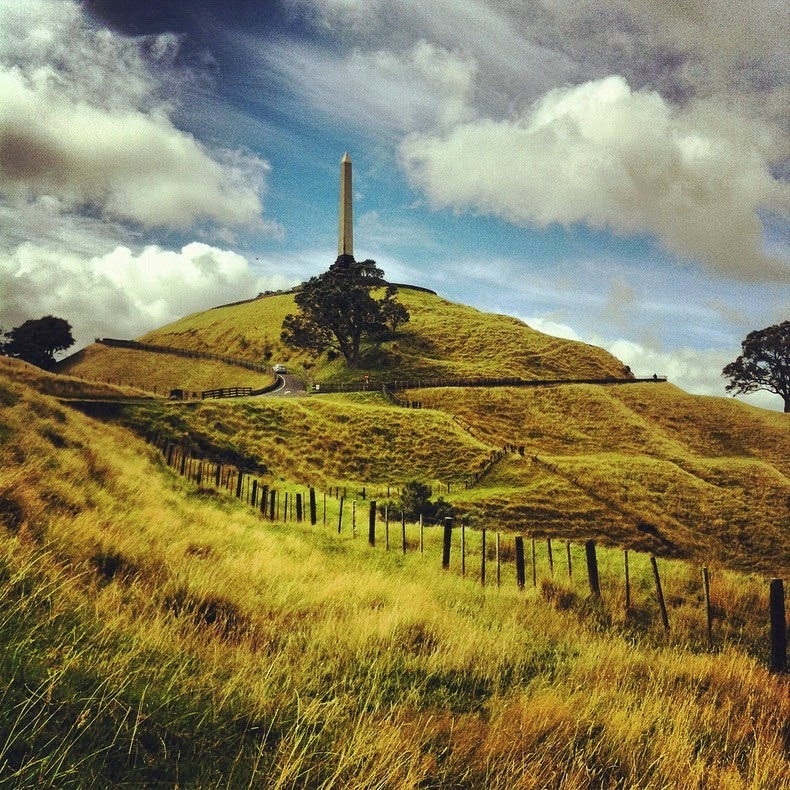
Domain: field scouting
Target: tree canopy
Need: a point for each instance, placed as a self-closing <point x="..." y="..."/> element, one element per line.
<point x="37" y="340"/>
<point x="338" y="310"/>
<point x="764" y="363"/>
<point x="415" y="501"/>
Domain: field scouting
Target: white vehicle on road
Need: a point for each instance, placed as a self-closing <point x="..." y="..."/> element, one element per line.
<point x="280" y="369"/>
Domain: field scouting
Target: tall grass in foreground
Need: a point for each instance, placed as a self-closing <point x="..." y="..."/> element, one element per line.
<point x="153" y="634"/>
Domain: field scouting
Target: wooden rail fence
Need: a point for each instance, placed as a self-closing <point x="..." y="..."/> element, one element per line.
<point x="287" y="506"/>
<point x="182" y="352"/>
<point x="226" y="392"/>
<point x="391" y="387"/>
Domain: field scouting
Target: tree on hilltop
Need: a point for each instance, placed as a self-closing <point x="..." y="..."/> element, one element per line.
<point x="37" y="340"/>
<point x="338" y="311"/>
<point x="764" y="363"/>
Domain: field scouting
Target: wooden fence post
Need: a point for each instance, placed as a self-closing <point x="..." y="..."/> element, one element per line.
<point x="551" y="556"/>
<point x="592" y="567"/>
<point x="708" y="610"/>
<point x="353" y="518"/>
<point x="498" y="563"/>
<point x="313" y="514"/>
<point x="239" y="483"/>
<point x="324" y="508"/>
<point x="422" y="540"/>
<point x="463" y="549"/>
<point x="520" y="561"/>
<point x="340" y="515"/>
<point x="483" y="560"/>
<point x="264" y="499"/>
<point x="299" y="508"/>
<point x="372" y="523"/>
<point x="254" y="495"/>
<point x="448" y="535"/>
<point x="568" y="557"/>
<point x="776" y="607"/>
<point x="285" y="509"/>
<point x="534" y="565"/>
<point x="659" y="593"/>
<point x="627" y="581"/>
<point x="272" y="503"/>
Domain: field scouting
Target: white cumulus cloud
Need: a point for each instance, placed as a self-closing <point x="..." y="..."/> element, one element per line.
<point x="84" y="120"/>
<point x="120" y="293"/>
<point x="602" y="154"/>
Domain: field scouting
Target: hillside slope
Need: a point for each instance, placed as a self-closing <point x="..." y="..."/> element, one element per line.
<point x="641" y="466"/>
<point x="644" y="466"/>
<point x="647" y="465"/>
<point x="157" y="633"/>
<point x="157" y="373"/>
<point x="442" y="339"/>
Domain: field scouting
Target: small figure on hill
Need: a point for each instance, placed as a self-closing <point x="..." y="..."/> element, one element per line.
<point x="38" y="340"/>
<point x="764" y="363"/>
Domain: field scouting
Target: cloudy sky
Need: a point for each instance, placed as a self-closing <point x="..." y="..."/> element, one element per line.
<point x="609" y="170"/>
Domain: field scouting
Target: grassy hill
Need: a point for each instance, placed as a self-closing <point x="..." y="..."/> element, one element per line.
<point x="157" y="373"/>
<point x="156" y="631"/>
<point x="159" y="633"/>
<point x="647" y="465"/>
<point x="643" y="466"/>
<point x="442" y="339"/>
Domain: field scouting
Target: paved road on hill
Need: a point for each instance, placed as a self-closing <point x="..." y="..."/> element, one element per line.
<point x="288" y="386"/>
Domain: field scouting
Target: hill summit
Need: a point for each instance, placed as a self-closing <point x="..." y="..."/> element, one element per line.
<point x="442" y="340"/>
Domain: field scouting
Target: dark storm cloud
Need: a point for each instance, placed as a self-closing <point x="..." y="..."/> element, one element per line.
<point x="199" y="18"/>
<point x="133" y="17"/>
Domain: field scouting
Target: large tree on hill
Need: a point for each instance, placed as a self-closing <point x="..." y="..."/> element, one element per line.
<point x="764" y="363"/>
<point x="38" y="340"/>
<point x="338" y="310"/>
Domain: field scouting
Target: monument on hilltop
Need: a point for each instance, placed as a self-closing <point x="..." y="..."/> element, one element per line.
<point x="345" y="242"/>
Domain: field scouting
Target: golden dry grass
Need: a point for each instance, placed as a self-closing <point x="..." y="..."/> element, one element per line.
<point x="647" y="466"/>
<point x="154" y="633"/>
<point x="154" y="372"/>
<point x="442" y="339"/>
<point x="319" y="441"/>
<point x="64" y="386"/>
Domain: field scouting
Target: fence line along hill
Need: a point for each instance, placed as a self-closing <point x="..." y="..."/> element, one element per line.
<point x="645" y="466"/>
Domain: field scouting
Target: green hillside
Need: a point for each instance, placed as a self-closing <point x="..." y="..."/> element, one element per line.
<point x="157" y="633"/>
<point x="644" y="466"/>
<point x="442" y="339"/>
<point x="157" y="373"/>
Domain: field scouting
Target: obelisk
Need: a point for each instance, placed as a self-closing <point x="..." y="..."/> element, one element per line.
<point x="345" y="242"/>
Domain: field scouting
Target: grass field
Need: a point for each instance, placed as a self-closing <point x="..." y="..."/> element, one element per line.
<point x="157" y="634"/>
<point x="158" y="373"/>
<point x="442" y="339"/>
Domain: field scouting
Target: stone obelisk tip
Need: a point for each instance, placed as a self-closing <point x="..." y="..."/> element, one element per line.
<point x="345" y="244"/>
